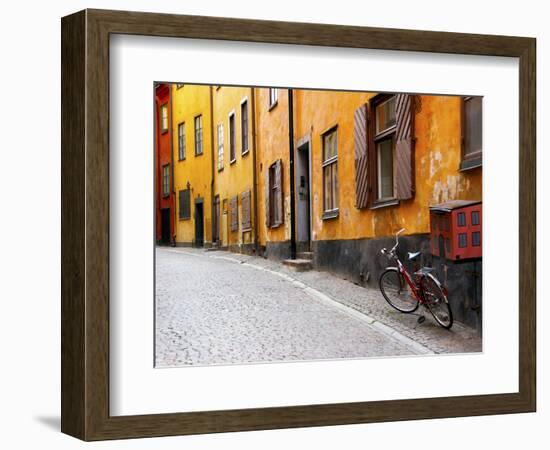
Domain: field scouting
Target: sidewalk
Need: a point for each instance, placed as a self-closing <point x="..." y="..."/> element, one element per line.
<point x="370" y="302"/>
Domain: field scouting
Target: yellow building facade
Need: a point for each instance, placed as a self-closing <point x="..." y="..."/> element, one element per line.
<point x="234" y="200"/>
<point x="192" y="149"/>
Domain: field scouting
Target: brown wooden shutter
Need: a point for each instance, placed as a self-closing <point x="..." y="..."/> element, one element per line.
<point x="279" y="191"/>
<point x="404" y="155"/>
<point x="246" y="219"/>
<point x="267" y="198"/>
<point x="235" y="213"/>
<point x="361" y="157"/>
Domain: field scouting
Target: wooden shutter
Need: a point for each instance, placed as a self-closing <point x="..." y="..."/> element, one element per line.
<point x="278" y="194"/>
<point x="267" y="197"/>
<point x="235" y="213"/>
<point x="361" y="157"/>
<point x="404" y="143"/>
<point x="246" y="219"/>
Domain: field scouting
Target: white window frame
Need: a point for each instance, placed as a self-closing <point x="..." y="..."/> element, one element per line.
<point x="231" y="136"/>
<point x="220" y="146"/>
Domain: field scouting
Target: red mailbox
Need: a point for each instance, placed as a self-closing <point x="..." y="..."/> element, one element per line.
<point x="456" y="229"/>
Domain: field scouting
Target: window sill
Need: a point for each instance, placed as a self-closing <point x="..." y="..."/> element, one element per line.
<point x="273" y="105"/>
<point x="199" y="154"/>
<point x="233" y="161"/>
<point x="333" y="214"/>
<point x="467" y="164"/>
<point x="275" y="225"/>
<point x="164" y="131"/>
<point x="384" y="203"/>
<point x="245" y="152"/>
<point x="220" y="169"/>
<point x="181" y="159"/>
<point x="246" y="230"/>
<point x="184" y="218"/>
<point x="165" y="195"/>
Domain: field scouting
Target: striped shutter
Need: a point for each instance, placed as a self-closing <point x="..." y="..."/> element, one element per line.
<point x="235" y="213"/>
<point x="267" y="198"/>
<point x="361" y="157"/>
<point x="404" y="156"/>
<point x="246" y="219"/>
<point x="279" y="192"/>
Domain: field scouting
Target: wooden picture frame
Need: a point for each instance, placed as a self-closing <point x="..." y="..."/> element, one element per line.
<point x="85" y="224"/>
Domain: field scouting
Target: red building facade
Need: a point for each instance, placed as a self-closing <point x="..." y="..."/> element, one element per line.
<point x="164" y="183"/>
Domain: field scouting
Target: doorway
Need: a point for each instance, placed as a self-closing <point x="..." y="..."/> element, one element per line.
<point x="165" y="226"/>
<point x="199" y="223"/>
<point x="303" y="203"/>
<point x="216" y="221"/>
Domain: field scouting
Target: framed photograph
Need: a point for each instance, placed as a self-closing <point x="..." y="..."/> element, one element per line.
<point x="272" y="225"/>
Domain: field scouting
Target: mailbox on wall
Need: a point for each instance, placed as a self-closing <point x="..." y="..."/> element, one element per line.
<point x="456" y="230"/>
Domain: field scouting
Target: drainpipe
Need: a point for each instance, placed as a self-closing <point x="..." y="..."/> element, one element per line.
<point x="172" y="187"/>
<point x="212" y="168"/>
<point x="291" y="163"/>
<point x="254" y="171"/>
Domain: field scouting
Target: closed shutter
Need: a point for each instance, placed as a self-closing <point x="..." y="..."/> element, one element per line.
<point x="185" y="204"/>
<point x="404" y="155"/>
<point x="267" y="197"/>
<point x="361" y="157"/>
<point x="246" y="219"/>
<point x="235" y="213"/>
<point x="278" y="194"/>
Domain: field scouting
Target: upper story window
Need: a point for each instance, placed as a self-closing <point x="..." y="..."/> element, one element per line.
<point x="330" y="174"/>
<point x="384" y="142"/>
<point x="164" y="118"/>
<point x="166" y="180"/>
<point x="179" y="85"/>
<point x="198" y="135"/>
<point x="232" y="140"/>
<point x="273" y="97"/>
<point x="244" y="127"/>
<point x="181" y="141"/>
<point x="471" y="132"/>
<point x="220" y="146"/>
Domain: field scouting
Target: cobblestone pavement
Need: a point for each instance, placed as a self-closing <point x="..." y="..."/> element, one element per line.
<point x="217" y="307"/>
<point x="369" y="301"/>
<point x="211" y="309"/>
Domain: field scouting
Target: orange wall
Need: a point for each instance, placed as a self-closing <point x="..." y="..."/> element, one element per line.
<point x="272" y="144"/>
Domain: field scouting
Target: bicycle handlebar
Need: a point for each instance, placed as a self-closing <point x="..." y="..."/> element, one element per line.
<point x="392" y="251"/>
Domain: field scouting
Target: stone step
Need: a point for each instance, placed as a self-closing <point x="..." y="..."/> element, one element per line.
<point x="304" y="255"/>
<point x="299" y="265"/>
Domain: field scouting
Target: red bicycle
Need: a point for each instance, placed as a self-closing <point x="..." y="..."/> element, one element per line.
<point x="405" y="292"/>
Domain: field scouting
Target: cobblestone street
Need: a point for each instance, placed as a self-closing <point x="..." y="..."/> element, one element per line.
<point x="215" y="307"/>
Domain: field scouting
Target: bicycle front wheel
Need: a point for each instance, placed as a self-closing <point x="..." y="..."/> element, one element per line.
<point x="436" y="302"/>
<point x="396" y="291"/>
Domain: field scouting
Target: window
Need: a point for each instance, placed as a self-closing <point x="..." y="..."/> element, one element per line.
<point x="384" y="150"/>
<point x="476" y="239"/>
<point x="244" y="127"/>
<point x="164" y="118"/>
<point x="185" y="204"/>
<point x="330" y="174"/>
<point x="274" y="195"/>
<point x="166" y="180"/>
<point x="384" y="142"/>
<point x="234" y="209"/>
<point x="198" y="135"/>
<point x="462" y="240"/>
<point x="232" y="142"/>
<point x="220" y="146"/>
<point x="475" y="217"/>
<point x="461" y="219"/>
<point x="273" y="97"/>
<point x="181" y="141"/>
<point x="246" y="214"/>
<point x="471" y="132"/>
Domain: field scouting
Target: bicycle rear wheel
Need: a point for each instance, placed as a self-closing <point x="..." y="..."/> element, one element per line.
<point x="436" y="302"/>
<point x="396" y="291"/>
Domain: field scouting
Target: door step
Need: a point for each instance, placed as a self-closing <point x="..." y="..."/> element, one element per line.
<point x="305" y="255"/>
<point x="299" y="265"/>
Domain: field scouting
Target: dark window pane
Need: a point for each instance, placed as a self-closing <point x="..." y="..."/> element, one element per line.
<point x="476" y="239"/>
<point x="462" y="240"/>
<point x="461" y="219"/>
<point x="475" y="217"/>
<point x="472" y="125"/>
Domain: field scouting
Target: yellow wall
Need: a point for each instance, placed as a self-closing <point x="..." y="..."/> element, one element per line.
<point x="272" y="144"/>
<point x="188" y="102"/>
<point x="237" y="177"/>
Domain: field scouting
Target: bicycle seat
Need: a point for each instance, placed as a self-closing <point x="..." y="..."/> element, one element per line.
<point x="424" y="271"/>
<point x="412" y="255"/>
